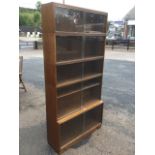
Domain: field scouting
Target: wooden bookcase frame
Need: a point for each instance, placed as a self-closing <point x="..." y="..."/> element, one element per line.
<point x="60" y="96"/>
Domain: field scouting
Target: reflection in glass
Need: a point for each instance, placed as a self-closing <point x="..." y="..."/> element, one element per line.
<point x="69" y="73"/>
<point x="68" y="89"/>
<point x="94" y="22"/>
<point x="92" y="82"/>
<point x="91" y="95"/>
<point x="69" y="20"/>
<point x="75" y="127"/>
<point x="69" y="104"/>
<point x="94" y="46"/>
<point x="93" y="117"/>
<point x="93" y="68"/>
<point x="68" y="47"/>
<point x="71" y="129"/>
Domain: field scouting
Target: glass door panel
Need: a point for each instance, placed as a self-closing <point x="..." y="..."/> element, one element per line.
<point x="93" y="117"/>
<point x="69" y="104"/>
<point x="71" y="129"/>
<point x="69" y="20"/>
<point x="68" y="74"/>
<point x="91" y="96"/>
<point x="94" y="22"/>
<point x="92" y="68"/>
<point x="68" y="47"/>
<point x="94" y="46"/>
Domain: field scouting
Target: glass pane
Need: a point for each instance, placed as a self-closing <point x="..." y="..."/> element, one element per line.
<point x="69" y="20"/>
<point x="69" y="104"/>
<point x="68" y="89"/>
<point x="71" y="129"/>
<point x="69" y="73"/>
<point x="93" y="117"/>
<point x="94" y="46"/>
<point x="91" y="95"/>
<point x="68" y="48"/>
<point x="94" y="22"/>
<point x="93" y="68"/>
<point x="92" y="82"/>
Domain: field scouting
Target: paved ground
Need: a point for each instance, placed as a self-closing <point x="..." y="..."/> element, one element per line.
<point x="116" y="137"/>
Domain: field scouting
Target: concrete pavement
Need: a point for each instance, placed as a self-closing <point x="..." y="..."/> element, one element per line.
<point x="116" y="136"/>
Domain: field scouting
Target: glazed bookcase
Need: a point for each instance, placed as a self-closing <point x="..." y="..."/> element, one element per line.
<point x="73" y="44"/>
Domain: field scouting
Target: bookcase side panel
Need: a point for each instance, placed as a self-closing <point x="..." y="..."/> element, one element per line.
<point x="50" y="89"/>
<point x="104" y="43"/>
<point x="48" y="18"/>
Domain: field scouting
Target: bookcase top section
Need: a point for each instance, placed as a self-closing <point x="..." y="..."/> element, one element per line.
<point x="75" y="8"/>
<point x="79" y="21"/>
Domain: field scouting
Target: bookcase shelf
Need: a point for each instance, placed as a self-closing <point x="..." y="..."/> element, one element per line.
<point x="78" y="90"/>
<point x="82" y="110"/>
<point x="74" y="46"/>
<point x="74" y="81"/>
<point x="61" y="63"/>
<point x="78" y="99"/>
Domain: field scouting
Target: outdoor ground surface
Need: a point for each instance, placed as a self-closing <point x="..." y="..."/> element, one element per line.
<point x="115" y="137"/>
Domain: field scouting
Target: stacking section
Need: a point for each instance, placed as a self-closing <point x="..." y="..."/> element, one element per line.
<point x="73" y="43"/>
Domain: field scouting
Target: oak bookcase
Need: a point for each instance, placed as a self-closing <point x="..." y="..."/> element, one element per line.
<point x="73" y="44"/>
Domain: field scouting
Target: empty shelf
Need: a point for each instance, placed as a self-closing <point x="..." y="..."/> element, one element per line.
<point x="82" y="135"/>
<point x="73" y="81"/>
<point x="75" y="91"/>
<point x="79" y="60"/>
<point x="84" y="109"/>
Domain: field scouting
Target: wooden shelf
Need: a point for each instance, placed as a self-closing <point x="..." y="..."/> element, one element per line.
<point x="91" y="86"/>
<point x="67" y="83"/>
<point x="79" y="60"/>
<point x="84" y="88"/>
<point x="70" y="82"/>
<point x="76" y="113"/>
<point x="62" y="33"/>
<point x="70" y="93"/>
<point x="81" y="136"/>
